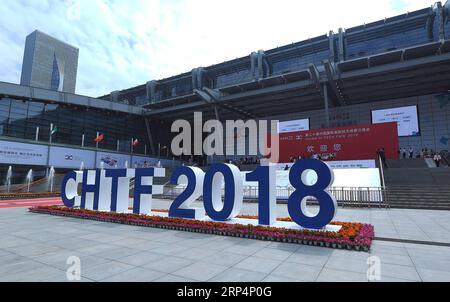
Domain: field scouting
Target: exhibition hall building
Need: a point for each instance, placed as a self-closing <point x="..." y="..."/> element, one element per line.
<point x="183" y="180"/>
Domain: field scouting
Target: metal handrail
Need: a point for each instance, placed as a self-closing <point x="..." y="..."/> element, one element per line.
<point x="445" y="157"/>
<point x="345" y="196"/>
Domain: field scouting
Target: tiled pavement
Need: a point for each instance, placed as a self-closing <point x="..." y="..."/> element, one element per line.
<point x="36" y="247"/>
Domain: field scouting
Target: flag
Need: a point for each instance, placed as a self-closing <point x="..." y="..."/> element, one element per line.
<point x="135" y="142"/>
<point x="54" y="130"/>
<point x="99" y="138"/>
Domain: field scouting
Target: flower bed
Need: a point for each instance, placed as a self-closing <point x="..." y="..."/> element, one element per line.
<point x="352" y="236"/>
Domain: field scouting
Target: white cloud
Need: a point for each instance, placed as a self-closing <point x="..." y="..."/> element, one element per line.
<point x="124" y="43"/>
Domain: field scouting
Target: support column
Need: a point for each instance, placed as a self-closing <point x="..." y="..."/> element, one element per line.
<point x="115" y="96"/>
<point x="331" y="46"/>
<point x="257" y="64"/>
<point x="216" y="112"/>
<point x="254" y="65"/>
<point x="440" y="20"/>
<point x="261" y="60"/>
<point x="327" y="110"/>
<point x="150" y="88"/>
<point x="197" y="78"/>
<point x="150" y="137"/>
<point x="341" y="46"/>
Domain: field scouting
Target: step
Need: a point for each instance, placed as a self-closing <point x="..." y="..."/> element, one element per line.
<point x="420" y="203"/>
<point x="419" y="196"/>
<point x="422" y="208"/>
<point x="417" y="202"/>
<point x="405" y="196"/>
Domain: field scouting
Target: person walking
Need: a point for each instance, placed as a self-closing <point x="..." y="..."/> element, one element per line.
<point x="411" y="152"/>
<point x="437" y="159"/>
<point x="403" y="153"/>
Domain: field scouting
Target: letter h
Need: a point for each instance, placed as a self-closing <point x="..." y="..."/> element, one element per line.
<point x="91" y="184"/>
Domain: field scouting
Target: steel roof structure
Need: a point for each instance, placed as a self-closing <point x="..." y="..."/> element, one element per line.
<point x="401" y="56"/>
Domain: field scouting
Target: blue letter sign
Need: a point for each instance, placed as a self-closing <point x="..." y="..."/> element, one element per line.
<point x="109" y="190"/>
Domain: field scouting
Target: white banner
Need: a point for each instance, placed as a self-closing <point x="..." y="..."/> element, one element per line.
<point x="352" y="164"/>
<point x="23" y="154"/>
<point x="293" y="126"/>
<point x="142" y="162"/>
<point x="349" y="178"/>
<point x="71" y="158"/>
<point x="344" y="164"/>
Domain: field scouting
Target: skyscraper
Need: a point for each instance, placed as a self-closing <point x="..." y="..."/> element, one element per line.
<point x="49" y="63"/>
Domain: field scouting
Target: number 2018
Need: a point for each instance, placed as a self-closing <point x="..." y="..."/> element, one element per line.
<point x="209" y="185"/>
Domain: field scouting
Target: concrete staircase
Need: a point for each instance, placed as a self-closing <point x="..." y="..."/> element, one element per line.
<point x="419" y="197"/>
<point x="407" y="163"/>
<point x="411" y="184"/>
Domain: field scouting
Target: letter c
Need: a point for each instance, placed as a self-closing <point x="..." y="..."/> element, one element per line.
<point x="69" y="188"/>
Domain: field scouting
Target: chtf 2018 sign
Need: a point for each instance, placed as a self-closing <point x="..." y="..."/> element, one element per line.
<point x="108" y="190"/>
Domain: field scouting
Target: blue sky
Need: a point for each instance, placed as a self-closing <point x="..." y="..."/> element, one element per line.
<point x="124" y="43"/>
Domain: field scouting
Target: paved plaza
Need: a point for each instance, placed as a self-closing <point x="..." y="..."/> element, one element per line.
<point x="36" y="247"/>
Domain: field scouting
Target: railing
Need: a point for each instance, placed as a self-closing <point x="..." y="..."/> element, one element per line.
<point x="361" y="196"/>
<point x="22" y="188"/>
<point x="445" y="157"/>
<point x="345" y="196"/>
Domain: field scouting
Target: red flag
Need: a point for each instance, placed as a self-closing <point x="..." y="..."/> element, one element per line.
<point x="99" y="138"/>
<point x="135" y="142"/>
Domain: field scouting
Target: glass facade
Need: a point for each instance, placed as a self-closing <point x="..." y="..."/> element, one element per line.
<point x="55" y="75"/>
<point x="433" y="114"/>
<point x="233" y="78"/>
<point x="447" y="25"/>
<point x="175" y="88"/>
<point x="299" y="62"/>
<point x="365" y="43"/>
<point x="19" y="119"/>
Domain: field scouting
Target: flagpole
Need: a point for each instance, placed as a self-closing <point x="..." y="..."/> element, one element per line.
<point x="82" y="140"/>
<point x="50" y="137"/>
<point x="132" y="141"/>
<point x="37" y="133"/>
<point x="48" y="152"/>
<point x="117" y="145"/>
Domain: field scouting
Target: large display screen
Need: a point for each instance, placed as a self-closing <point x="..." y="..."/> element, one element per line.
<point x="293" y="126"/>
<point x="406" y="118"/>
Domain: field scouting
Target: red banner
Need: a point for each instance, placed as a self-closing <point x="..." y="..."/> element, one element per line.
<point x="344" y="143"/>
